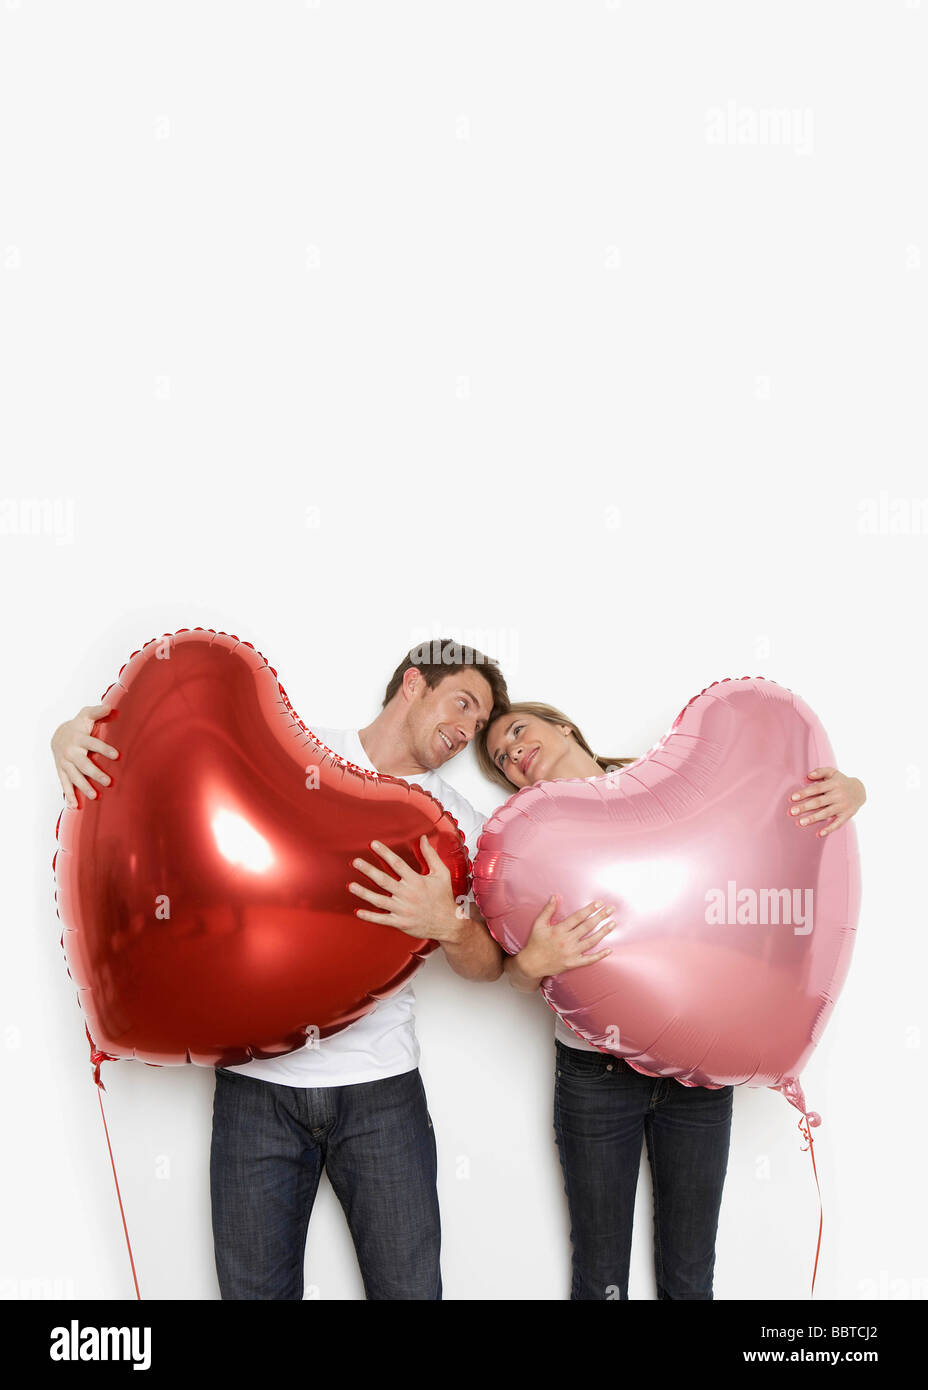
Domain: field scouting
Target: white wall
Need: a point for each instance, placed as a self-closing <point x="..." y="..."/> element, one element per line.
<point x="339" y="325"/>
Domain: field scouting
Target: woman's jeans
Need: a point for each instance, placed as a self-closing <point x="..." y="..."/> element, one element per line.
<point x="269" y="1146"/>
<point x="602" y="1106"/>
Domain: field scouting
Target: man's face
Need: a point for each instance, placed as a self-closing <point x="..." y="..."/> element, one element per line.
<point x="443" y="720"/>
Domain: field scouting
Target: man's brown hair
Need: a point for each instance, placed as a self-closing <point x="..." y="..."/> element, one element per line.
<point x="438" y="657"/>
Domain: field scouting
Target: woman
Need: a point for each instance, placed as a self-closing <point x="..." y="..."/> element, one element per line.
<point x="602" y="1106"/>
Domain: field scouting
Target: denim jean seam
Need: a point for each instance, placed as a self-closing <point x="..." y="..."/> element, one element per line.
<point x="584" y="1073"/>
<point x="658" y="1254"/>
<point x="574" y="1288"/>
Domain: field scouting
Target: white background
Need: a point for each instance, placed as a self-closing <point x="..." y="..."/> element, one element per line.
<point x="338" y="325"/>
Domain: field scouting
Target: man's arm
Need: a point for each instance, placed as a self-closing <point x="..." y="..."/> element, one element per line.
<point x="474" y="954"/>
<point x="71" y="744"/>
<point x="423" y="905"/>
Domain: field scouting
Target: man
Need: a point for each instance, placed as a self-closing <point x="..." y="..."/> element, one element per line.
<point x="353" y="1103"/>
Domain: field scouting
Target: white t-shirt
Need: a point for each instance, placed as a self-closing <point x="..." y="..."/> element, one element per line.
<point x="569" y="1039"/>
<point x="383" y="1042"/>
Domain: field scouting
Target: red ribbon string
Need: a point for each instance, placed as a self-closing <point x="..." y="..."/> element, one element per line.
<point x="97" y="1058"/>
<point x="810" y="1145"/>
<point x="118" y="1197"/>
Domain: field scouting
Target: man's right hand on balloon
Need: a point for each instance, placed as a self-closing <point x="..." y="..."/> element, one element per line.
<point x="71" y="743"/>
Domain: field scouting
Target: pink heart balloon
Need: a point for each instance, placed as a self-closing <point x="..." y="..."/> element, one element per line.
<point x="734" y="925"/>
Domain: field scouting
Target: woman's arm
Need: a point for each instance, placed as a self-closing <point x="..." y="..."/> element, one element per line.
<point x="833" y="794"/>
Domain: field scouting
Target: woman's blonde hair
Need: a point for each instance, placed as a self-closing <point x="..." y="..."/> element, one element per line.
<point x="553" y="716"/>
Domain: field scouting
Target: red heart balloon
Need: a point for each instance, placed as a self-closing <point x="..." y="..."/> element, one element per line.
<point x="734" y="926"/>
<point x="204" y="894"/>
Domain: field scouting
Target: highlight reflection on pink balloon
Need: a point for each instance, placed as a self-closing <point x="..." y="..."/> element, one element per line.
<point x="735" y="925"/>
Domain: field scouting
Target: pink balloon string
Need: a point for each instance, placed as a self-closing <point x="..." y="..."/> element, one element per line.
<point x="805" y="1129"/>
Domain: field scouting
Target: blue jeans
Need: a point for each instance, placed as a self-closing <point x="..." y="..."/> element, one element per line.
<point x="602" y="1107"/>
<point x="269" y="1146"/>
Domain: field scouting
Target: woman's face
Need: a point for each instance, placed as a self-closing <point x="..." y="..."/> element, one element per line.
<point x="527" y="749"/>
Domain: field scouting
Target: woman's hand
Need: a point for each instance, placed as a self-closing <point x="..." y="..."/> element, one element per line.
<point x="833" y="795"/>
<point x="554" y="947"/>
<point x="70" y="743"/>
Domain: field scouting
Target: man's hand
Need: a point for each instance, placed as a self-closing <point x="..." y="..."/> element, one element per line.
<point x="418" y="904"/>
<point x="70" y="743"/>
<point x="423" y="905"/>
<point x="833" y="794"/>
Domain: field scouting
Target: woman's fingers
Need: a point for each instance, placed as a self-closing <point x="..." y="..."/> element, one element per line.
<point x="586" y="919"/>
<point x="592" y="937"/>
<point x="597" y="955"/>
<point x="581" y="915"/>
<point x="544" y="916"/>
<point x="807" y="796"/>
<point x="591" y="959"/>
<point x="833" y="808"/>
<point x="836" y="824"/>
<point x="573" y="938"/>
<point x="819" y="772"/>
<point x="820" y="799"/>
